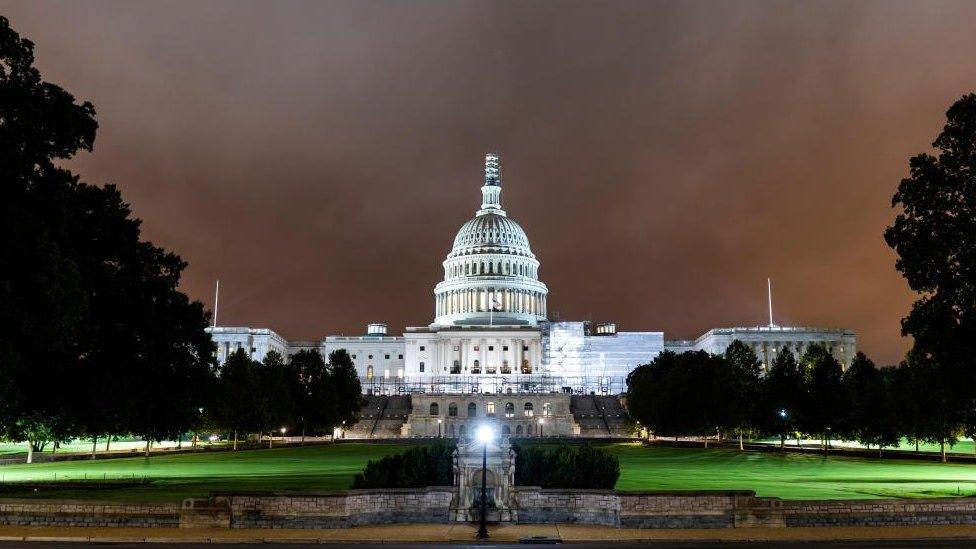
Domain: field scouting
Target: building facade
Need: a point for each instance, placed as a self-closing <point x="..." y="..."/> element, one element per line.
<point x="491" y="333"/>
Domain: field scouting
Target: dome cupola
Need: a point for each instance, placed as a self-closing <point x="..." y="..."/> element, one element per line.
<point x="490" y="274"/>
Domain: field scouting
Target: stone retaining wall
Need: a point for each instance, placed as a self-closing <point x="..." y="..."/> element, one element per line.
<point x="535" y="506"/>
<point x="880" y="512"/>
<point x="340" y="509"/>
<point x="538" y="506"/>
<point x="21" y="512"/>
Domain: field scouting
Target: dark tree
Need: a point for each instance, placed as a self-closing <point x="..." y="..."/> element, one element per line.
<point x="684" y="394"/>
<point x="939" y="418"/>
<point x="870" y="407"/>
<point x="934" y="236"/>
<point x="744" y="393"/>
<point x="279" y="389"/>
<point x="314" y="393"/>
<point x="240" y="406"/>
<point x="783" y="396"/>
<point x="95" y="337"/>
<point x="825" y="407"/>
<point x="348" y="399"/>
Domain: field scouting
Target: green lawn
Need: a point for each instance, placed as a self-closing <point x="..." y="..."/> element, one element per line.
<point x="331" y="467"/>
<point x="12" y="449"/>
<point x="173" y="477"/>
<point x="789" y="476"/>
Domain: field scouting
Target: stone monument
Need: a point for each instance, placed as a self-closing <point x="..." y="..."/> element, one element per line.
<point x="466" y="505"/>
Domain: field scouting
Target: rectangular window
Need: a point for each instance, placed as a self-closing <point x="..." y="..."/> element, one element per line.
<point x="421" y="366"/>
<point x="491" y="347"/>
<point x="400" y="357"/>
<point x="354" y="357"/>
<point x="505" y="348"/>
<point x="456" y="348"/>
<point x="387" y="357"/>
<point x="421" y="347"/>
<point x="477" y="348"/>
<point x="525" y="347"/>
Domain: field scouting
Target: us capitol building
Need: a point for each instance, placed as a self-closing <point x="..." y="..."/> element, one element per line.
<point x="491" y="333"/>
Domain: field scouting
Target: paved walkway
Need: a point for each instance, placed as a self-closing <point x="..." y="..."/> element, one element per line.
<point x="413" y="533"/>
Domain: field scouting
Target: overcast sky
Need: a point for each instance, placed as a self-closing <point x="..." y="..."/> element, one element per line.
<point x="663" y="157"/>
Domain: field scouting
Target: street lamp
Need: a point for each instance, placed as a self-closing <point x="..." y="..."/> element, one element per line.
<point x="541" y="423"/>
<point x="484" y="436"/>
<point x="439" y="421"/>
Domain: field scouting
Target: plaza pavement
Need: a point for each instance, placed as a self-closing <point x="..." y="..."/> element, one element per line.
<point x="446" y="533"/>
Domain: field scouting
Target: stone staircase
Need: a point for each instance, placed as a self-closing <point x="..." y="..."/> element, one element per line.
<point x="382" y="416"/>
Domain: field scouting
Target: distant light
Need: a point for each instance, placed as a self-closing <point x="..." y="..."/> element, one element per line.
<point x="283" y="430"/>
<point x="485" y="434"/>
<point x="541" y="421"/>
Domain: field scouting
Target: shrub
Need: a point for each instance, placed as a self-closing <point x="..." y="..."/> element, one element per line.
<point x="429" y="465"/>
<point x="565" y="466"/>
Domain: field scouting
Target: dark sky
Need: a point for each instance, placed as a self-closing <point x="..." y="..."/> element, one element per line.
<point x="663" y="157"/>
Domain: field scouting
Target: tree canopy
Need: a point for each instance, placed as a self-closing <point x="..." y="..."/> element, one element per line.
<point x="95" y="336"/>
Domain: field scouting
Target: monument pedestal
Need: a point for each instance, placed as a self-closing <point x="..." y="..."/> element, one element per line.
<point x="466" y="505"/>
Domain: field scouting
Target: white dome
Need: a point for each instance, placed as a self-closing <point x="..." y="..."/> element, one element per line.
<point x="491" y="233"/>
<point x="490" y="274"/>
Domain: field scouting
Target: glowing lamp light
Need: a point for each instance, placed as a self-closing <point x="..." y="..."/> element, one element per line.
<point x="485" y="434"/>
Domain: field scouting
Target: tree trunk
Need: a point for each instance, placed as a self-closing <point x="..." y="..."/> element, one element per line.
<point x="94" y="442"/>
<point x="148" y="446"/>
<point x="880" y="450"/>
<point x="30" y="451"/>
<point x="798" y="440"/>
<point x="179" y="443"/>
<point x="235" y="441"/>
<point x="706" y="441"/>
<point x="782" y="441"/>
<point x="741" y="447"/>
<point x="942" y="450"/>
<point x="271" y="439"/>
<point x="108" y="441"/>
<point x="303" y="434"/>
<point x="916" y="445"/>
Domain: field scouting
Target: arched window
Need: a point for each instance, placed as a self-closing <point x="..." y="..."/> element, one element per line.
<point x="456" y="367"/>
<point x="434" y="409"/>
<point x="518" y="430"/>
<point x="526" y="367"/>
<point x="490" y="409"/>
<point x="472" y="410"/>
<point x="463" y="431"/>
<point x="476" y="369"/>
<point x="506" y="369"/>
<point x="369" y="373"/>
<point x="528" y="409"/>
<point x="506" y="430"/>
<point x="546" y="409"/>
<point x="450" y="429"/>
<point x="529" y="429"/>
<point x="452" y="410"/>
<point x="509" y="409"/>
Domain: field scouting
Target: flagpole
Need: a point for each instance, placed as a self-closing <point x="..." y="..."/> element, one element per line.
<point x="216" y="297"/>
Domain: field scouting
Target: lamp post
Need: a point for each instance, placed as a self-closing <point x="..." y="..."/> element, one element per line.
<point x="439" y="421"/>
<point x="541" y="423"/>
<point x="484" y="435"/>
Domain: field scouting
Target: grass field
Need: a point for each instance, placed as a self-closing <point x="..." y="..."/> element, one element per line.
<point x="331" y="467"/>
